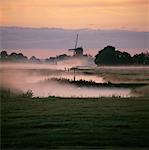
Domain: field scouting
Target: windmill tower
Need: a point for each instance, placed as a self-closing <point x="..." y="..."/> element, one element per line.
<point x="77" y="51"/>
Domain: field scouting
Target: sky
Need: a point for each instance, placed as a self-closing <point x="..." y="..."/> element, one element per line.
<point x="75" y="14"/>
<point x="44" y="42"/>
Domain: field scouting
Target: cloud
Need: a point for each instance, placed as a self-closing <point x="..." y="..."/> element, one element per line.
<point x="49" y="38"/>
<point x="106" y="14"/>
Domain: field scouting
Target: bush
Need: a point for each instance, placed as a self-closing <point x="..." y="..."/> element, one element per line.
<point x="8" y="93"/>
<point x="28" y="94"/>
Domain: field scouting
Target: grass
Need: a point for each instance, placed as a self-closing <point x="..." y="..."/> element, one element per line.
<point x="74" y="123"/>
<point x="141" y="91"/>
<point x="124" y="74"/>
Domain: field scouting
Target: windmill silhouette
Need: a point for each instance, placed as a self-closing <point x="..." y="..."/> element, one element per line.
<point x="77" y="51"/>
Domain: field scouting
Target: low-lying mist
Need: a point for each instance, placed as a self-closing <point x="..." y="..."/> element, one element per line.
<point x="56" y="65"/>
<point x="38" y="78"/>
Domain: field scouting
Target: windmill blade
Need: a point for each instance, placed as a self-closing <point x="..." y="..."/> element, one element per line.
<point x="71" y="49"/>
<point x="76" y="41"/>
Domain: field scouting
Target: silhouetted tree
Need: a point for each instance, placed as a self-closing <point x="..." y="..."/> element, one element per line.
<point x="106" y="56"/>
<point x="141" y="58"/>
<point x="3" y="55"/>
<point x="17" y="57"/>
<point x="110" y="56"/>
<point x="61" y="57"/>
<point x="21" y="57"/>
<point x="34" y="59"/>
<point x="13" y="56"/>
<point x="147" y="58"/>
<point x="125" y="58"/>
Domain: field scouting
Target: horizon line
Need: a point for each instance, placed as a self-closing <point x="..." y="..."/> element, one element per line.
<point x="73" y="29"/>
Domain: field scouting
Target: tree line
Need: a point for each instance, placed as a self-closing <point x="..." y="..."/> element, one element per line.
<point x="107" y="56"/>
<point x="16" y="57"/>
<point x="110" y="56"/>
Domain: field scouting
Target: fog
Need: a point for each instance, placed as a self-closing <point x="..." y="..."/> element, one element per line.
<point x="58" y="65"/>
<point x="39" y="79"/>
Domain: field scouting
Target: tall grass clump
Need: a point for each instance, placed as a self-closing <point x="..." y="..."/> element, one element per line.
<point x="9" y="93"/>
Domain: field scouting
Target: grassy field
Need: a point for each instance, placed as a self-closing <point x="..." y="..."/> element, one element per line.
<point x="71" y="123"/>
<point x="124" y="74"/>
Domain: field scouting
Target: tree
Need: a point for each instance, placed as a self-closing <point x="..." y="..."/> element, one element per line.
<point x="33" y="59"/>
<point x="21" y="57"/>
<point x="3" y="55"/>
<point x="17" y="57"/>
<point x="106" y="56"/>
<point x="28" y="94"/>
<point x="110" y="56"/>
<point x="125" y="58"/>
<point x="141" y="58"/>
<point x="13" y="56"/>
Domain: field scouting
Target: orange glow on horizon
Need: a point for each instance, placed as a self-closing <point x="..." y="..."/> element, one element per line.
<point x="96" y="14"/>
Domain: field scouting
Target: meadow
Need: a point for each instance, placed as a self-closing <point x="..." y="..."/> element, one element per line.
<point x="124" y="74"/>
<point x="74" y="123"/>
<point x="29" y="122"/>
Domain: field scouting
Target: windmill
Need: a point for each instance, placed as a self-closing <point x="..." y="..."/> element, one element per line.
<point x="77" y="51"/>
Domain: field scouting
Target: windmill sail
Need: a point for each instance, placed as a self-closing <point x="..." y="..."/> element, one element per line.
<point x="78" y="51"/>
<point x="76" y="42"/>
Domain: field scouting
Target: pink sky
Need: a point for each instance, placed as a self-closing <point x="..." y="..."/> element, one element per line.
<point x="103" y="14"/>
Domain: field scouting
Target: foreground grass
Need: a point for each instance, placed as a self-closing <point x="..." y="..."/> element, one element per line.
<point x="56" y="123"/>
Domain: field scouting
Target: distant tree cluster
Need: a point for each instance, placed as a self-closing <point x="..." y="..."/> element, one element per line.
<point x="110" y="56"/>
<point x="14" y="57"/>
<point x="107" y="56"/>
<point x="33" y="59"/>
<point x="57" y="58"/>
